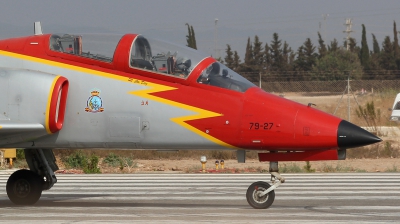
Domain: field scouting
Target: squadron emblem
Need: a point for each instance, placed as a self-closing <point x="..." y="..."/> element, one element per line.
<point x="94" y="103"/>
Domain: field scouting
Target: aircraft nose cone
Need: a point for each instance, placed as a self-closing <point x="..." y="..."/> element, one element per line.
<point x="350" y="135"/>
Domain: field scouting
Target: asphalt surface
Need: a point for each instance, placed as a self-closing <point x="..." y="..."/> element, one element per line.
<point x="210" y="198"/>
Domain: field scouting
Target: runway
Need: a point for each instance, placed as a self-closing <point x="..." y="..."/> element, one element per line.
<point x="210" y="198"/>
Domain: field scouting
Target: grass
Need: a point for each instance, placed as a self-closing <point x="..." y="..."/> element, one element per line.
<point x="154" y="154"/>
<point x="113" y="160"/>
<point x="123" y="161"/>
<point x="392" y="169"/>
<point x="126" y="160"/>
<point x="193" y="169"/>
<point x="384" y="149"/>
<point x="21" y="164"/>
<point x="92" y="165"/>
<point x="382" y="101"/>
<point x="308" y="168"/>
<point x="291" y="168"/>
<point x="344" y="169"/>
<point x="80" y="160"/>
<point x="326" y="168"/>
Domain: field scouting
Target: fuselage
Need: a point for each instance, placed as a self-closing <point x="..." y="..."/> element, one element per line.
<point x="136" y="98"/>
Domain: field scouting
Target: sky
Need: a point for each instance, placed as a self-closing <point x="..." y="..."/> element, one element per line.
<point x="216" y="22"/>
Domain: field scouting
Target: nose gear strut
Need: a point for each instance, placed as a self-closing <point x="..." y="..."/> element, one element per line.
<point x="261" y="195"/>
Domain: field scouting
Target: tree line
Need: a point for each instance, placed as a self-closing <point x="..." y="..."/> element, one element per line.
<point x="277" y="60"/>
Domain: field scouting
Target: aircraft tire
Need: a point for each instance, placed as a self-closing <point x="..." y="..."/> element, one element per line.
<point x="24" y="187"/>
<point x="259" y="202"/>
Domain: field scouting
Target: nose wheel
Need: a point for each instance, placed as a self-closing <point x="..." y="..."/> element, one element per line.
<point x="255" y="197"/>
<point x="261" y="195"/>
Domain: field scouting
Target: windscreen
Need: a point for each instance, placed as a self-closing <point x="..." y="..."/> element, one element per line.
<point x="219" y="75"/>
<point x="396" y="106"/>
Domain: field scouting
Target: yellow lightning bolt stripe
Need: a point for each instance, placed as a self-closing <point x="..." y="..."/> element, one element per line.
<point x="63" y="65"/>
<point x="200" y="113"/>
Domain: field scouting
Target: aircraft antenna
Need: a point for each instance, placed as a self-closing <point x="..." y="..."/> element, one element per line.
<point x="37" y="28"/>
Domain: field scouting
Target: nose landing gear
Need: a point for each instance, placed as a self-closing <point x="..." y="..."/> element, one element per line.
<point x="261" y="195"/>
<point x="24" y="187"/>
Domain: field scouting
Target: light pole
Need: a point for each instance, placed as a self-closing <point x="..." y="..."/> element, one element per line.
<point x="216" y="38"/>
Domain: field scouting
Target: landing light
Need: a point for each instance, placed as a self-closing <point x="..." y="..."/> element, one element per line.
<point x="216" y="164"/>
<point x="222" y="164"/>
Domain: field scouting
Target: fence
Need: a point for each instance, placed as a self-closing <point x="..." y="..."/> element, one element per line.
<point x="330" y="87"/>
<point x="309" y="82"/>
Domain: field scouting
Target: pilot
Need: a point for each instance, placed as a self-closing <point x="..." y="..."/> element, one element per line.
<point x="171" y="64"/>
<point x="69" y="49"/>
<point x="183" y="65"/>
<point x="224" y="73"/>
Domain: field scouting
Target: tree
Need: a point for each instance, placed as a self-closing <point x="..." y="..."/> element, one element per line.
<point x="310" y="55"/>
<point x="337" y="65"/>
<point x="352" y="43"/>
<point x="322" y="48"/>
<point x="236" y="62"/>
<point x="306" y="56"/>
<point x="258" y="59"/>
<point x="353" y="46"/>
<point x="374" y="57"/>
<point x="248" y="58"/>
<point x="375" y="68"/>
<point x="287" y="57"/>
<point x="377" y="50"/>
<point x="396" y="46"/>
<point x="387" y="59"/>
<point x="229" y="57"/>
<point x="267" y="58"/>
<point x="364" y="52"/>
<point x="193" y="38"/>
<point x="334" y="46"/>
<point x="190" y="38"/>
<point x="300" y="62"/>
<point x="276" y="53"/>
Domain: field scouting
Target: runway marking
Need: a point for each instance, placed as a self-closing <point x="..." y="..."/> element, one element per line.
<point x="199" y="198"/>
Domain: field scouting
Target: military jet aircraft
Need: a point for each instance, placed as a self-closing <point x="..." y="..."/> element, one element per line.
<point x="134" y="92"/>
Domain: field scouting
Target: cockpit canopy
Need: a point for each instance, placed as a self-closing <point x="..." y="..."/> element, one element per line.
<point x="151" y="55"/>
<point x="94" y="46"/>
<point x="163" y="57"/>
